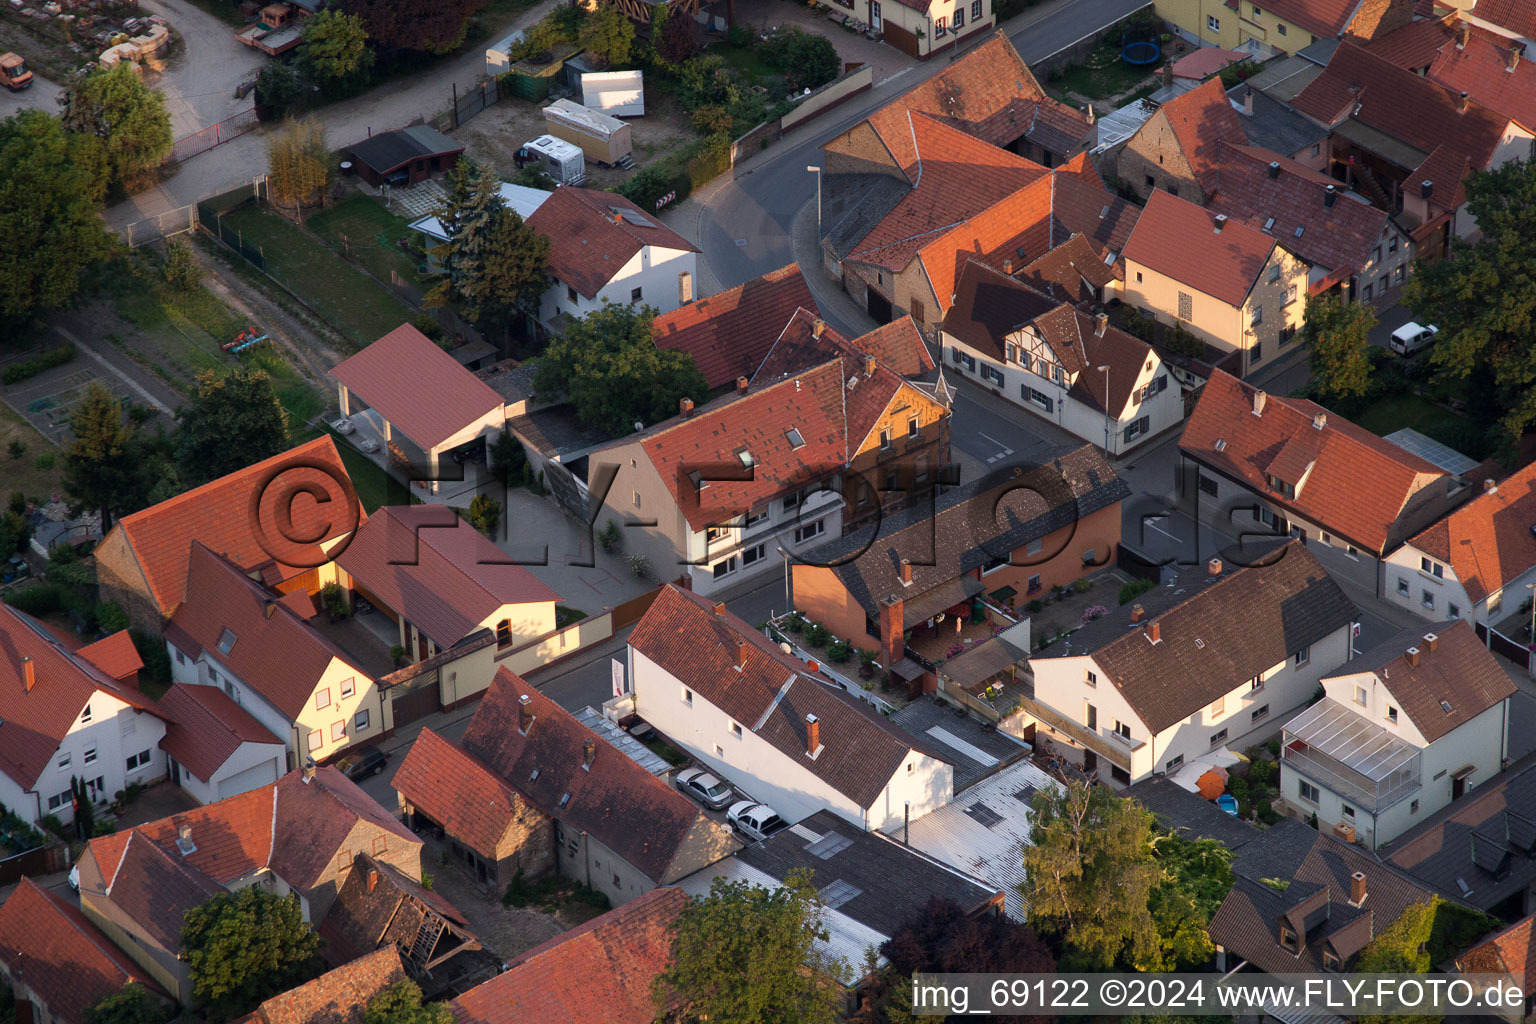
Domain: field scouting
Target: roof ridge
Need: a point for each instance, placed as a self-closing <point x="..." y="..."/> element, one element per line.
<point x="322" y="441"/>
<point x="110" y="952"/>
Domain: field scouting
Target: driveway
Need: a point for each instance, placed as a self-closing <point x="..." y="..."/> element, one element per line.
<point x="43" y="95"/>
<point x="199" y="81"/>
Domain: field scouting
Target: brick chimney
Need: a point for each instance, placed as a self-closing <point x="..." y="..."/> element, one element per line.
<point x="1489" y="486"/>
<point x="1463" y="34"/>
<point x="1426" y="189"/>
<point x="1138" y="612"/>
<point x="1413" y="657"/>
<point x="1274" y="168"/>
<point x="1357" y="888"/>
<point x="618" y="217"/>
<point x="906" y="577"/>
<point x="1319" y="421"/>
<point x="812" y="735"/>
<point x="28" y="673"/>
<point x="1259" y="398"/>
<point x="309" y="770"/>
<point x="685" y="407"/>
<point x="373" y="879"/>
<point x="719" y="608"/>
<point x="1220" y="222"/>
<point x="817" y="327"/>
<point x="1512" y="58"/>
<point x="869" y="366"/>
<point x="1213" y="567"/>
<point x="1431" y="641"/>
<point x="1100" y="324"/>
<point x="1008" y="267"/>
<point x="184" y="841"/>
<point x="741" y="384"/>
<point x="588" y="754"/>
<point x="524" y="714"/>
<point x="741" y="653"/>
<point x="1330" y="196"/>
<point x="1155" y="632"/>
<point x="1462" y="102"/>
<point x="893" y="639"/>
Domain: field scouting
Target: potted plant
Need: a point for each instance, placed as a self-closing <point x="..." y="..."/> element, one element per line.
<point x="866" y="663"/>
<point x="334" y="598"/>
<point x="397" y="655"/>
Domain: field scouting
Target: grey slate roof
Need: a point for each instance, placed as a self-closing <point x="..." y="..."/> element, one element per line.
<point x="964" y="527"/>
<point x="1316" y="900"/>
<point x="386" y="151"/>
<point x="934" y="721"/>
<point x="854" y="204"/>
<point x="1190" y="815"/>
<point x="1273" y="125"/>
<point x="1288" y="602"/>
<point x="1484" y="840"/>
<point x="893" y="882"/>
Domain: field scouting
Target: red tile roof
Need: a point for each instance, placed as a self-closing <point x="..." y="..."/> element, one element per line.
<point x="759" y="422"/>
<point x="734" y="667"/>
<point x="1340" y="237"/>
<point x="442" y="574"/>
<point x="1414" y="110"/>
<point x="1482" y="71"/>
<point x="115" y="655"/>
<point x="1073" y="271"/>
<point x="1488" y="541"/>
<point x="458" y="791"/>
<point x="336" y="997"/>
<point x="1371" y="517"/>
<point x="292" y="827"/>
<point x="48" y="946"/>
<point x="1415" y="45"/>
<point x="632" y="812"/>
<point x="593" y="234"/>
<point x="1322" y="18"/>
<point x="220" y="515"/>
<point x="1206" y="61"/>
<point x="728" y="333"/>
<point x="33" y="724"/>
<point x="421" y="390"/>
<point x="1518" y="16"/>
<point x="206" y="728"/>
<point x="156" y="887"/>
<point x="956" y="176"/>
<point x="597" y="973"/>
<point x="1178" y="239"/>
<point x="1450" y="686"/>
<point x="1512" y="951"/>
<point x="1202" y="120"/>
<point x="271" y="649"/>
<point x="898" y="345"/>
<point x="804" y="342"/>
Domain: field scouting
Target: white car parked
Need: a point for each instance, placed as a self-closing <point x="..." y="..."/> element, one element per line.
<point x="1412" y="337"/>
<point x="755" y="821"/>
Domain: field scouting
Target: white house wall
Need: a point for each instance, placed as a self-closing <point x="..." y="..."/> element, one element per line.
<point x="115" y="732"/>
<point x="653" y="270"/>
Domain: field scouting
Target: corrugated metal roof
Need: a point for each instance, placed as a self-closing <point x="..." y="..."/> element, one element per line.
<point x="992" y="853"/>
<point x="1350" y="739"/>
<point x="637" y="752"/>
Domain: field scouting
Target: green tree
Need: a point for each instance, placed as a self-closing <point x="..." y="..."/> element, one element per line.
<point x="808" y="59"/>
<point x="115" y="105"/>
<point x="423" y="26"/>
<point x="51" y="186"/>
<point x="1196" y="877"/>
<point x="182" y="271"/>
<point x="1091" y="876"/>
<point x="230" y="423"/>
<point x="246" y="946"/>
<point x="15" y="531"/>
<point x="1401" y="948"/>
<point x="1338" y="340"/>
<point x="745" y="954"/>
<point x="131" y="1004"/>
<point x="335" y="51"/>
<point x="484" y="514"/>
<point x="298" y="162"/>
<point x="99" y="468"/>
<point x="1483" y="298"/>
<point x="608" y="365"/>
<point x="608" y="33"/>
<point x="280" y="89"/>
<point x="401" y="1004"/>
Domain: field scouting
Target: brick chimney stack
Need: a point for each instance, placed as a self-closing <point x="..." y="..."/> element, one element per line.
<point x="741" y="384"/>
<point x="869" y="366"/>
<point x="1007" y="269"/>
<point x="1100" y="324"/>
<point x="812" y="735"/>
<point x="1259" y="398"/>
<point x="1357" y="888"/>
<point x="1138" y="612"/>
<point x="817" y="328"/>
<point x="741" y="653"/>
<point x="524" y="714"/>
<point x="1155" y="632"/>
<point x="719" y="607"/>
<point x="373" y="879"/>
<point x="1431" y="641"/>
<point x="28" y="673"/>
<point x="588" y="754"/>
<point x="1213" y="567"/>
<point x="1413" y="657"/>
<point x="685" y="407"/>
<point x="906" y="576"/>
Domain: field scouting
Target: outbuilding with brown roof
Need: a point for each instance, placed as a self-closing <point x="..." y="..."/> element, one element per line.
<point x="728" y="333"/>
<point x="216" y="748"/>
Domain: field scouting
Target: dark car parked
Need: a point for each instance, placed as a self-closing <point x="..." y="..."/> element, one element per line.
<point x="363" y="762"/>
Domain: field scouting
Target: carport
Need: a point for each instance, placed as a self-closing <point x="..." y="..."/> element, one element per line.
<point x="404" y="156"/>
<point x="426" y="405"/>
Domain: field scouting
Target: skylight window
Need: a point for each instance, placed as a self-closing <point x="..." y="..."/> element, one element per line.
<point x="1299" y="229"/>
<point x="795" y="439"/>
<point x="1269" y="223"/>
<point x="1221" y="444"/>
<point x="745" y="457"/>
<point x="697" y="479"/>
<point x="226" y="641"/>
<point x="1445" y="706"/>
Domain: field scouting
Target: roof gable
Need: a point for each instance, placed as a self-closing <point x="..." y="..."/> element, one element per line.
<point x="219" y="514"/>
<point x="336" y="997"/>
<point x="1322" y="18"/>
<point x="1488" y="541"/>
<point x="1185" y="242"/>
<point x="1452" y="683"/>
<point x="728" y="333"/>
<point x="205" y="728"/>
<point x="453" y="787"/>
<point x="1202" y="120"/>
<point x="593" y="234"/>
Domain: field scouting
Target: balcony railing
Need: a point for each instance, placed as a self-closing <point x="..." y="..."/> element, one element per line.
<point x="1357" y="789"/>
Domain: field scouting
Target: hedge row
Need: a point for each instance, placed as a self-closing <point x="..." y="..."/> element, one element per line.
<point x="18" y="372"/>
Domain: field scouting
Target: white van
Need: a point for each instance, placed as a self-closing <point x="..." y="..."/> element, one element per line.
<point x="1412" y="337"/>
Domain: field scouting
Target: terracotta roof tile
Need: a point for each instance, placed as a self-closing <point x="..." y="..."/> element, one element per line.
<point x="219" y="514"/>
<point x="33" y="724"/>
<point x="205" y="728"/>
<point x="898" y="345"/>
<point x="47" y="945"/>
<point x="1482" y="71"/>
<point x="1014" y="230"/>
<point x="115" y="655"/>
<point x="273" y="651"/>
<point x="988" y="93"/>
<point x="458" y="791"/>
<point x="597" y="973"/>
<point x="1289" y="602"/>
<point x="1089" y="210"/>
<point x="956" y="177"/>
<point x="392" y="911"/>
<point x="1202" y="120"/>
<point x="1332" y="496"/>
<point x="1322" y="18"/>
<point x="1206" y="61"/>
<point x="684" y="634"/>
<point x="1512" y="951"/>
<point x="1415" y="45"/>
<point x="1072" y="271"/>
<point x="336" y="997"/>
<point x="632" y="812"/>
<point x="1340" y="237"/>
<point x="806" y="341"/>
<point x="156" y="887"/>
<point x="313" y="822"/>
<point x="1460" y="671"/>
<point x="730" y="332"/>
<point x="1178" y="239"/>
<point x="1488" y="541"/>
<point x="438" y="571"/>
<point x="421" y="390"/>
<point x="593" y="234"/>
<point x="1518" y="16"/>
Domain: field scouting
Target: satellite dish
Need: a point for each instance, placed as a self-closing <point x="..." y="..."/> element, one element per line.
<point x="639" y="426"/>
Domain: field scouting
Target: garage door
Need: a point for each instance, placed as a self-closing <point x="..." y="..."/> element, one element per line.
<point x="252" y="778"/>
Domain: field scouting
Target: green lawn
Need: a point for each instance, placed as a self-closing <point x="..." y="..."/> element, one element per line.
<point x="1098" y="83"/>
<point x="1395" y="412"/>
<point x="748" y="63"/>
<point x="350" y="301"/>
<point x="373" y="234"/>
<point x="375" y="488"/>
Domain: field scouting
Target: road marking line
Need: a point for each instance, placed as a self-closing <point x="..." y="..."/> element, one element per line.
<point x="1153" y="526"/>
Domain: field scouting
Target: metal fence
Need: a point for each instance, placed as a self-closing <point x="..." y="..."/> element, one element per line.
<point x="214" y="135"/>
<point x="211" y="211"/>
<point x="165" y="225"/>
<point x="470" y="102"/>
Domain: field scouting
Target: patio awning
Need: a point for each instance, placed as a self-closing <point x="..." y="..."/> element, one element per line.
<point x="907" y="670"/>
<point x="941" y="598"/>
<point x="1002" y="594"/>
<point x="1360" y="745"/>
<point x="982" y="662"/>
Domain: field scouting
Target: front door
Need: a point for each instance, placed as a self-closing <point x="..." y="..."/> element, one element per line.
<point x="1458" y="788"/>
<point x="1090" y="762"/>
<point x="874" y="15"/>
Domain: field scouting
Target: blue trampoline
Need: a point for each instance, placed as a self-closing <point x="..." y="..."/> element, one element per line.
<point x="1141" y="52"/>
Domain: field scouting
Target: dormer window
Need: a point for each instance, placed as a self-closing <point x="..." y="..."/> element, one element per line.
<point x="1331" y="962"/>
<point x="1288" y="940"/>
<point x="1281" y="487"/>
<point x="697" y="479"/>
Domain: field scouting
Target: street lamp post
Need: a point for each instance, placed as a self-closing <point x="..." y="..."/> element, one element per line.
<point x="817" y="171"/>
<point x="1105" y="371"/>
